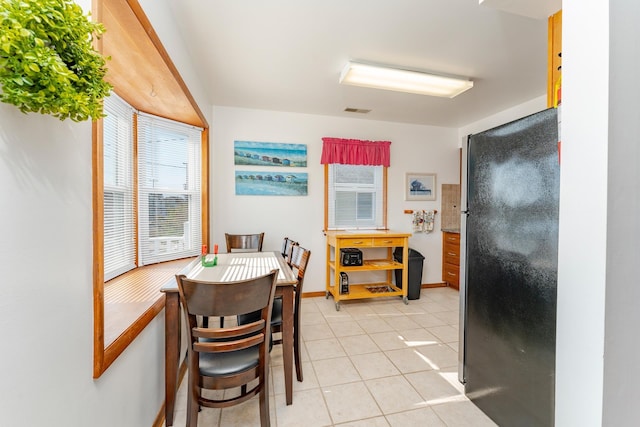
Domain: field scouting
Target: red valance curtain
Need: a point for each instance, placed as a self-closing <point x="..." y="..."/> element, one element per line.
<point x="355" y="152"/>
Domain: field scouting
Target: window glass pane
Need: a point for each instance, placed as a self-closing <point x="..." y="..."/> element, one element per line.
<point x="355" y="196"/>
<point x="169" y="200"/>
<point x="354" y="174"/>
<point x="365" y="206"/>
<point x="345" y="207"/>
<point x="165" y="161"/>
<point x="167" y="213"/>
<point x="114" y="226"/>
<point x="117" y="144"/>
<point x="119" y="225"/>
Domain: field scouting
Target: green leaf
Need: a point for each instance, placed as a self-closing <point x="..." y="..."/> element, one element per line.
<point x="47" y="61"/>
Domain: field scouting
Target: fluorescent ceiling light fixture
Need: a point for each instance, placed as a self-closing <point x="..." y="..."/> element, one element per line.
<point x="421" y="83"/>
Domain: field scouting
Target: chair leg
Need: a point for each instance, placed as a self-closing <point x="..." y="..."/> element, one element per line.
<point x="193" y="407"/>
<point x="296" y="353"/>
<point x="265" y="419"/>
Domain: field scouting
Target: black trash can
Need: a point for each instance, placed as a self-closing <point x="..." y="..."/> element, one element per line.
<point x="416" y="260"/>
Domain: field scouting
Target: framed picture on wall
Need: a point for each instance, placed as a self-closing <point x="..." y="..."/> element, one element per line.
<point x="269" y="183"/>
<point x="269" y="154"/>
<point x="420" y="186"/>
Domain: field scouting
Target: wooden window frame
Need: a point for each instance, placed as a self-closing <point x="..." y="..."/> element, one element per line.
<point x="129" y="30"/>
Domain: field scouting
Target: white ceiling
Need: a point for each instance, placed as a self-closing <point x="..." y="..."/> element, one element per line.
<point x="287" y="55"/>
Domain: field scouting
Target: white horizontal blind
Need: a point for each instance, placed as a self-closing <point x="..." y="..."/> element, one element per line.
<point x="355" y="196"/>
<point x="119" y="221"/>
<point x="169" y="198"/>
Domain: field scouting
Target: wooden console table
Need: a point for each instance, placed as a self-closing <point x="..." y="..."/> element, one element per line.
<point x="339" y="239"/>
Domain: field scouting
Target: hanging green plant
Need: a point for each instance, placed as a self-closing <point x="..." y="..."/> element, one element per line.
<point x="47" y="62"/>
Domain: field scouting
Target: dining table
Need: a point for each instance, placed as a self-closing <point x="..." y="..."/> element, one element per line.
<point x="229" y="267"/>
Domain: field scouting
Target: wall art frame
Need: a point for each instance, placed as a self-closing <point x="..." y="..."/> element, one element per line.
<point x="420" y="186"/>
<point x="270" y="183"/>
<point x="274" y="154"/>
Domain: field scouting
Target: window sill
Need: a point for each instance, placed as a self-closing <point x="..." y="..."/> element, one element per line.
<point x="134" y="298"/>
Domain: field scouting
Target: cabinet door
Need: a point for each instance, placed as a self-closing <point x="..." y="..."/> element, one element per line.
<point x="452" y="275"/>
<point x="451" y="259"/>
<point x="451" y="254"/>
<point x="554" y="60"/>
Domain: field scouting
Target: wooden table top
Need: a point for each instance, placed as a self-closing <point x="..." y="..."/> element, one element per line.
<point x="239" y="266"/>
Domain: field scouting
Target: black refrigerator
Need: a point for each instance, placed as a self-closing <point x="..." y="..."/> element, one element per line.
<point x="510" y="241"/>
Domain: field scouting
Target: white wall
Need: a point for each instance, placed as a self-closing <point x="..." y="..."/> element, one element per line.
<point x="621" y="370"/>
<point x="525" y="109"/>
<point x="46" y="297"/>
<point x="413" y="149"/>
<point x="583" y="214"/>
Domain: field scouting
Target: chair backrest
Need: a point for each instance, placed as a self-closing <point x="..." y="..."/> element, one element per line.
<point x="299" y="261"/>
<point x="244" y="242"/>
<point x="287" y="248"/>
<point x="203" y="298"/>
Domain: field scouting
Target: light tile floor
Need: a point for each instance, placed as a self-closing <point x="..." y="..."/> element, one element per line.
<point x="375" y="362"/>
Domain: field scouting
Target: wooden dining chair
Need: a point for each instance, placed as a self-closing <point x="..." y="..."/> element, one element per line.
<point x="244" y="242"/>
<point x="226" y="358"/>
<point x="287" y="247"/>
<point x="299" y="261"/>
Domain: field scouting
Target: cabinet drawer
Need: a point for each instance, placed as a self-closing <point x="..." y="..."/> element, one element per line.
<point x="356" y="242"/>
<point x="384" y="242"/>
<point x="452" y="238"/>
<point x="451" y="254"/>
<point x="451" y="274"/>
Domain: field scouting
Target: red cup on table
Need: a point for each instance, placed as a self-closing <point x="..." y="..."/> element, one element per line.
<point x="215" y="249"/>
<point x="204" y="249"/>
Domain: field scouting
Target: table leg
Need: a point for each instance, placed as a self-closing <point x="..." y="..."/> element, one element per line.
<point x="287" y="341"/>
<point x="171" y="353"/>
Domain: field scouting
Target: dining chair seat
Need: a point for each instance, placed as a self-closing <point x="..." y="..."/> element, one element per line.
<point x="276" y="314"/>
<point x="228" y="363"/>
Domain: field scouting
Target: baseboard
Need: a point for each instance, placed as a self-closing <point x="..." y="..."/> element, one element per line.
<point x="434" y="285"/>
<point x="313" y="294"/>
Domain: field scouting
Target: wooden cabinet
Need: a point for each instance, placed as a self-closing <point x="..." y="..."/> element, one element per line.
<point x="374" y="242"/>
<point x="451" y="259"/>
<point x="554" y="61"/>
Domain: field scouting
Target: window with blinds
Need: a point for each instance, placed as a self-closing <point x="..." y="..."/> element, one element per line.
<point x="355" y="196"/>
<point x="164" y="174"/>
<point x="169" y="171"/>
<point x="119" y="220"/>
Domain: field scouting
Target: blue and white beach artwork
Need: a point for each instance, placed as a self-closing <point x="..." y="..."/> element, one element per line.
<point x="269" y="154"/>
<point x="261" y="183"/>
